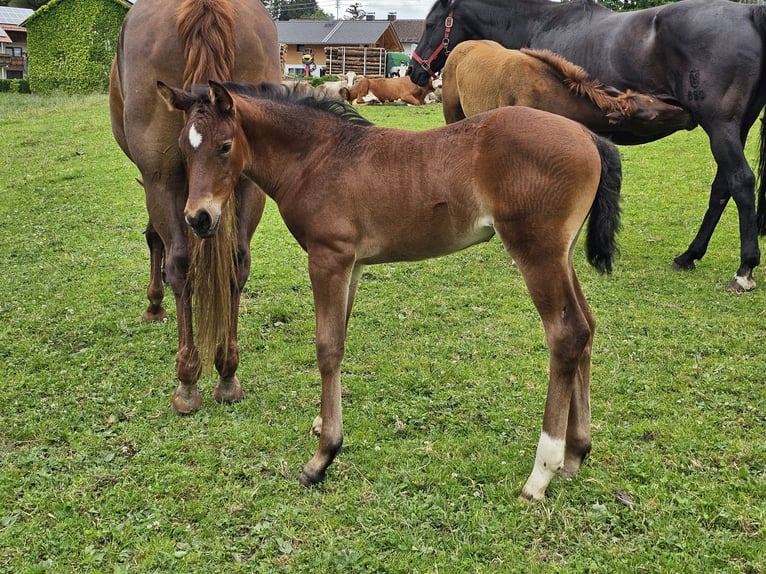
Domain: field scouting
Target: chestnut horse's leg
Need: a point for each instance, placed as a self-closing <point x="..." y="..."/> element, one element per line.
<point x="250" y="205"/>
<point x="331" y="276"/>
<point x="164" y="202"/>
<point x="568" y="333"/>
<point x="155" y="292"/>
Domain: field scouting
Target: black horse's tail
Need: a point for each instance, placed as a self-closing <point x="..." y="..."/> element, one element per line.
<point x="761" y="176"/>
<point x="601" y="240"/>
<point x="759" y="20"/>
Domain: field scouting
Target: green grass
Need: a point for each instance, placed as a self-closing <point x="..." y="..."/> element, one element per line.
<point x="444" y="384"/>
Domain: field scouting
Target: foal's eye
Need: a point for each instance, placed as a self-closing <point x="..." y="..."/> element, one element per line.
<point x="225" y="148"/>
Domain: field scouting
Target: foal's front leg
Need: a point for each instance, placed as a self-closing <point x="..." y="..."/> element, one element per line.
<point x="330" y="280"/>
<point x="250" y="205"/>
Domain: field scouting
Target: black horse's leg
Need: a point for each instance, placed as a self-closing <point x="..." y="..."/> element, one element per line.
<point x="719" y="197"/>
<point x="734" y="179"/>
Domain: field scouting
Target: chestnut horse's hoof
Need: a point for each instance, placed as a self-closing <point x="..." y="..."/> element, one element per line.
<point x="228" y="390"/>
<point x="741" y="284"/>
<point x="186" y="400"/>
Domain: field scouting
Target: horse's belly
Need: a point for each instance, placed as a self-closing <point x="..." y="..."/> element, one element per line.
<point x="425" y="241"/>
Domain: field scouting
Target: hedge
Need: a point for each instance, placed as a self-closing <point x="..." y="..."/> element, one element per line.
<point x="72" y="43"/>
<point x="14" y="86"/>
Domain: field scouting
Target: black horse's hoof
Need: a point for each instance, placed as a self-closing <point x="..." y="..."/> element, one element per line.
<point x="683" y="265"/>
<point x="741" y="284"/>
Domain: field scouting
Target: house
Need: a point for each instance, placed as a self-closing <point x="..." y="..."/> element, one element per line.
<point x="409" y="32"/>
<point x="13" y="43"/>
<point x="71" y="44"/>
<point x="371" y="39"/>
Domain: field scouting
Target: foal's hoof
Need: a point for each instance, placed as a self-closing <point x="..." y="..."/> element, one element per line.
<point x="741" y="284"/>
<point x="228" y="390"/>
<point x="185" y="400"/>
<point x="309" y="478"/>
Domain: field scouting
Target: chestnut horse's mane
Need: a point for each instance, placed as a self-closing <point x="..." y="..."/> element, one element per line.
<point x="581" y="83"/>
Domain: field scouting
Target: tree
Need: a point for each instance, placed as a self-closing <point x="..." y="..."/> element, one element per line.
<point x="295" y="9"/>
<point x="355" y="12"/>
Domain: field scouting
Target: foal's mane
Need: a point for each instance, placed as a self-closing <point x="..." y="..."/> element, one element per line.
<point x="297" y="95"/>
<point x="578" y="80"/>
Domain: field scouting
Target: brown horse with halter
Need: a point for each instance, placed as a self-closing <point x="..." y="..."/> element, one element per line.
<point x="481" y="75"/>
<point x="186" y="42"/>
<point x="530" y="176"/>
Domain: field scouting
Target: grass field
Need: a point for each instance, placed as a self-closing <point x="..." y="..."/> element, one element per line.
<point x="444" y="383"/>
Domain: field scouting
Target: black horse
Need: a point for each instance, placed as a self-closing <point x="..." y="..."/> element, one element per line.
<point x="707" y="55"/>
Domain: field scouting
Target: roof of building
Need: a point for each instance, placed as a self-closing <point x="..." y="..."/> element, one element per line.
<point x="409" y="31"/>
<point x="331" y="32"/>
<point x="14" y="16"/>
<point x="10" y="21"/>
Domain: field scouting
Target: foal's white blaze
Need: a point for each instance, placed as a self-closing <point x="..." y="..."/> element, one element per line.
<point x="548" y="461"/>
<point x="195" y="138"/>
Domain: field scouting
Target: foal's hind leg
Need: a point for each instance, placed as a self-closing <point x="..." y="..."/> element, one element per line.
<point x="578" y="442"/>
<point x="568" y="333"/>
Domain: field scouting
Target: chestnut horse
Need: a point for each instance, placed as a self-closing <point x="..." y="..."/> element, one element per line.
<point x="481" y="75"/>
<point x="186" y="42"/>
<point x="527" y="175"/>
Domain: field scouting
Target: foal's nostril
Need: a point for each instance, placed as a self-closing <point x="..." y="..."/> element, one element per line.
<point x="200" y="223"/>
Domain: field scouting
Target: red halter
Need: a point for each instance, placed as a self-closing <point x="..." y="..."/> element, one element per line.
<point x="426" y="64"/>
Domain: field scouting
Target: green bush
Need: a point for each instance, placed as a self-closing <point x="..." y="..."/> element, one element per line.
<point x="72" y="44"/>
<point x="14" y="86"/>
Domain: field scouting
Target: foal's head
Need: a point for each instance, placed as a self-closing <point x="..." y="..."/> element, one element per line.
<point x="213" y="143"/>
<point x="213" y="148"/>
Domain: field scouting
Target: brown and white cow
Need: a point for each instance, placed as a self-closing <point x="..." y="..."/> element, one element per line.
<point x="367" y="90"/>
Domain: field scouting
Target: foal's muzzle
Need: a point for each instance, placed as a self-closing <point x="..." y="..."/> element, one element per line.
<point x="203" y="224"/>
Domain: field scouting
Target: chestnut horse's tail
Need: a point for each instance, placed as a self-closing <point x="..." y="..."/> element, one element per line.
<point x="601" y="240"/>
<point x="206" y="30"/>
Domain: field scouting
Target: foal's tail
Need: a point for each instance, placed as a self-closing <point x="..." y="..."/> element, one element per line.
<point x="601" y="242"/>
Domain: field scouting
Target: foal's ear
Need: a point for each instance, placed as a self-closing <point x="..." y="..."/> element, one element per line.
<point x="221" y="98"/>
<point x="175" y="99"/>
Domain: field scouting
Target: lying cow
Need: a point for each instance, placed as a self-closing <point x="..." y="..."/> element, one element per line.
<point x="367" y="90"/>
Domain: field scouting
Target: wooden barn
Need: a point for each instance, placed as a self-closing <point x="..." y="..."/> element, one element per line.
<point x="331" y="44"/>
